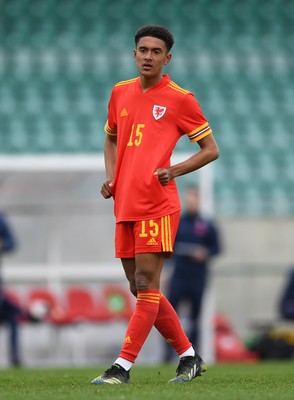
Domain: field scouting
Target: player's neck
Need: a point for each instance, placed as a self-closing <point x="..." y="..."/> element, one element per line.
<point x="147" y="83"/>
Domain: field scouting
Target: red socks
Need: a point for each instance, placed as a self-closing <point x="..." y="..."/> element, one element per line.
<point x="141" y="323"/>
<point x="169" y="326"/>
<point x="153" y="308"/>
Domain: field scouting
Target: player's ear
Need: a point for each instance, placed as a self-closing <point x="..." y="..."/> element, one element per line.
<point x="167" y="59"/>
<point x="135" y="53"/>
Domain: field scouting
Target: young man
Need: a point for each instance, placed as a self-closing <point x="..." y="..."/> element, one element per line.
<point x="146" y="117"/>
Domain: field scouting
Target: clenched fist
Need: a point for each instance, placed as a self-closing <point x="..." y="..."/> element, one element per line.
<point x="164" y="176"/>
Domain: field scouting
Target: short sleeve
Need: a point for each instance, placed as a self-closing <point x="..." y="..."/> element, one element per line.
<point x="191" y="119"/>
<point x="111" y="124"/>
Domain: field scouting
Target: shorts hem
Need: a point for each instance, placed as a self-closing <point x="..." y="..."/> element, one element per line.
<point x="142" y="250"/>
<point x="120" y="254"/>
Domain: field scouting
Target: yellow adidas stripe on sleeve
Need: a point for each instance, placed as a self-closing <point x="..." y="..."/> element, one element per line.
<point x="200" y="132"/>
<point x="109" y="131"/>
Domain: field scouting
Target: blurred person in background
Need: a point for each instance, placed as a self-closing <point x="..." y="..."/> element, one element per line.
<point x="9" y="310"/>
<point x="286" y="306"/>
<point x="197" y="241"/>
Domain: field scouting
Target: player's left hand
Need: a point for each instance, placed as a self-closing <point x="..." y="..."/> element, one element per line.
<point x="106" y="189"/>
<point x="164" y="176"/>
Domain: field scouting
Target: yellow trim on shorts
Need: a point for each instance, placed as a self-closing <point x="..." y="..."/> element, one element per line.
<point x="166" y="237"/>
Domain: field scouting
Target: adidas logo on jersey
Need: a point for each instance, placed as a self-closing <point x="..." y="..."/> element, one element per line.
<point x="124" y="113"/>
<point x="152" y="242"/>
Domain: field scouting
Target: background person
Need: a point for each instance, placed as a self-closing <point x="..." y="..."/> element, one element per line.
<point x="9" y="310"/>
<point x="286" y="304"/>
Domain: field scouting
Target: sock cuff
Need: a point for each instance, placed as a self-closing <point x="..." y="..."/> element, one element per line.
<point x="149" y="295"/>
<point x="124" y="363"/>
<point x="188" y="353"/>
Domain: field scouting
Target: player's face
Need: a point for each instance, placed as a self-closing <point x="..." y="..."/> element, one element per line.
<point x="151" y="55"/>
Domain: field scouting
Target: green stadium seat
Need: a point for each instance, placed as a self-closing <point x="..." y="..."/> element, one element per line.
<point x="60" y="59"/>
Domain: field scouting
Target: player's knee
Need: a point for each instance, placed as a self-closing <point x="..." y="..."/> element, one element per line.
<point x="144" y="281"/>
<point x="141" y="285"/>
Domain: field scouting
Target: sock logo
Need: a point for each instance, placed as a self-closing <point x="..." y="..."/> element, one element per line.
<point x="128" y="340"/>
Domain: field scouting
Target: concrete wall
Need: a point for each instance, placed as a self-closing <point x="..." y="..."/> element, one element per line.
<point x="249" y="276"/>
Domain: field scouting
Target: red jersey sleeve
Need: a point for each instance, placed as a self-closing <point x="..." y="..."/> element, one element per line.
<point x="111" y="124"/>
<point x="191" y="119"/>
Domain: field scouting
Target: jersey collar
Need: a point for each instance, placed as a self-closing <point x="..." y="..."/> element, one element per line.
<point x="163" y="82"/>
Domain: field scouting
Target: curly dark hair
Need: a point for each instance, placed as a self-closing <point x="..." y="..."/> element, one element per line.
<point x="156" y="31"/>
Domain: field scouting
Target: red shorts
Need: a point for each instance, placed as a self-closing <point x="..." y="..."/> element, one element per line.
<point x="148" y="236"/>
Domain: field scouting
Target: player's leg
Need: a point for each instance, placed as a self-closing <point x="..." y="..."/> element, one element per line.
<point x="158" y="235"/>
<point x="163" y="231"/>
<point x="167" y="321"/>
<point x="155" y="236"/>
<point x="144" y="278"/>
<point x="129" y="266"/>
<point x="161" y="237"/>
<point x="189" y="366"/>
<point x="147" y="280"/>
<point x="125" y="249"/>
<point x="166" y="318"/>
<point x="152" y="308"/>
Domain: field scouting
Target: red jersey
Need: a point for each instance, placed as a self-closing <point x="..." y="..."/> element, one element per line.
<point x="148" y="126"/>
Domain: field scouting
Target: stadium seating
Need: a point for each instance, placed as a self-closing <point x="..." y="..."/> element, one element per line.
<point x="82" y="307"/>
<point x="117" y="302"/>
<point x="59" y="60"/>
<point x="78" y="304"/>
<point x="43" y="301"/>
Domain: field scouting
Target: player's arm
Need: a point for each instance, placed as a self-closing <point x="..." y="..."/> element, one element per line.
<point x="110" y="146"/>
<point x="208" y="152"/>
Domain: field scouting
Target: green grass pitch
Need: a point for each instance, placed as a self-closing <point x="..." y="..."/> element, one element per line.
<point x="262" y="381"/>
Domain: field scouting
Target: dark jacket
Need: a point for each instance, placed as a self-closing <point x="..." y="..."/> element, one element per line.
<point x="194" y="231"/>
<point x="7" y="240"/>
<point x="6" y="236"/>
